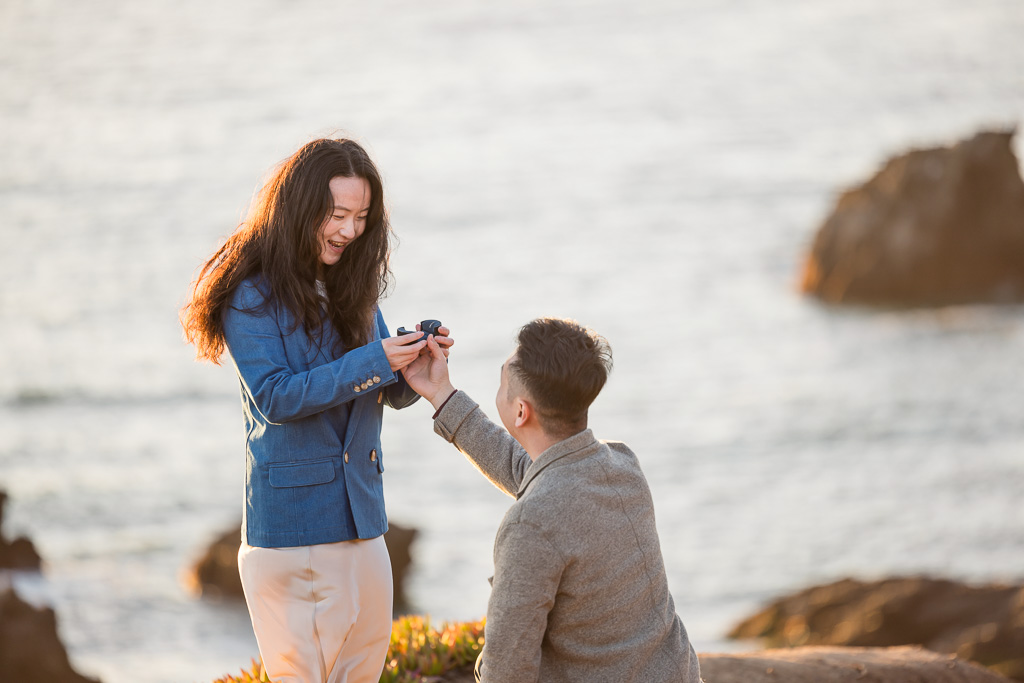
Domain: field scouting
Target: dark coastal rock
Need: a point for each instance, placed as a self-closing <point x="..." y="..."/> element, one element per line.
<point x="399" y="540"/>
<point x="934" y="227"/>
<point x="984" y="624"/>
<point x="30" y="651"/>
<point x="842" y="665"/>
<point x="19" y="553"/>
<point x="215" y="575"/>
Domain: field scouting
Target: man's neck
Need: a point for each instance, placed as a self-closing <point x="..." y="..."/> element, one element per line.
<point x="536" y="442"/>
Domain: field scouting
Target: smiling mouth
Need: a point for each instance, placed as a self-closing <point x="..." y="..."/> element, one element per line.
<point x="337" y="245"/>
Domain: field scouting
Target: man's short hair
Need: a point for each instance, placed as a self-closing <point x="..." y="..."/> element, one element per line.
<point x="562" y="367"/>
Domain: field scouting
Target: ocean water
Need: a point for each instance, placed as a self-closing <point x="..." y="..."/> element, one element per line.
<point x="656" y="170"/>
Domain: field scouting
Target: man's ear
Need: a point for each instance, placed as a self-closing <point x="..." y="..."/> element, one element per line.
<point x="524" y="412"/>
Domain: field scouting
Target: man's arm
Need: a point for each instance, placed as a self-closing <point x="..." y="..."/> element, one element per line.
<point x="495" y="453"/>
<point x="527" y="571"/>
<point x="461" y="422"/>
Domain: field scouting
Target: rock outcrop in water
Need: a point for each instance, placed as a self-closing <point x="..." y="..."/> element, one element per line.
<point x="215" y="575"/>
<point x="984" y="624"/>
<point x="19" y="553"/>
<point x="934" y="227"/>
<point x="30" y="651"/>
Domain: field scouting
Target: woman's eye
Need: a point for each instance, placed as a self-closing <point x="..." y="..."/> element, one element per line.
<point x="363" y="218"/>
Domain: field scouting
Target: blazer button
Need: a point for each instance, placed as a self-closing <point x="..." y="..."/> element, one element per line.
<point x="364" y="385"/>
<point x="356" y="389"/>
<point x="373" y="455"/>
<point x="376" y="379"/>
<point x="346" y="457"/>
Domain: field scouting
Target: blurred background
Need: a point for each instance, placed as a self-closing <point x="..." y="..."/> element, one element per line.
<point x="656" y="170"/>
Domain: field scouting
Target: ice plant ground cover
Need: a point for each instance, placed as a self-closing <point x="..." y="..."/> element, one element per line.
<point x="417" y="649"/>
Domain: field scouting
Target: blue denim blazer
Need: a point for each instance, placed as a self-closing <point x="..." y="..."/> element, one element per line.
<point x="312" y="425"/>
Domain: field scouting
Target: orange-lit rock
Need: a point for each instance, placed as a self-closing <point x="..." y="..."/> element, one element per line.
<point x="842" y="665"/>
<point x="984" y="624"/>
<point x="934" y="227"/>
<point x="823" y="665"/>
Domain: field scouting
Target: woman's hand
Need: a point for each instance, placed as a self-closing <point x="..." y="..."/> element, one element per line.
<point x="402" y="350"/>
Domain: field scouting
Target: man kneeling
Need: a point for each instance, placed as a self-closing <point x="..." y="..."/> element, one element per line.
<point x="579" y="590"/>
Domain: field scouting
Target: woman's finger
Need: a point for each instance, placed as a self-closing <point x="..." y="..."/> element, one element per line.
<point x="402" y="344"/>
<point x="400" y="352"/>
<point x="412" y="350"/>
<point x="405" y="339"/>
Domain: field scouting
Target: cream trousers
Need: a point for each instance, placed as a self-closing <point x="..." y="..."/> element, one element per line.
<point x="321" y="613"/>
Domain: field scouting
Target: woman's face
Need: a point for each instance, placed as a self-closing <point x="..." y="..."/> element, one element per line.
<point x="347" y="220"/>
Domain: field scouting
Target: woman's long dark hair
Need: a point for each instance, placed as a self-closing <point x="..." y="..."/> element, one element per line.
<point x="281" y="239"/>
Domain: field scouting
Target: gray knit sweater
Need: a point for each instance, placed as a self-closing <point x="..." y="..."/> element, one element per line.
<point x="579" y="590"/>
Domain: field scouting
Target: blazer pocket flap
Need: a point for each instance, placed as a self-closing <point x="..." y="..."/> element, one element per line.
<point x="301" y="474"/>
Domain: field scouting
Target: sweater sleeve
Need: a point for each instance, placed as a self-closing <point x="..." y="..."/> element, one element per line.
<point x="256" y="343"/>
<point x="527" y="572"/>
<point x="495" y="453"/>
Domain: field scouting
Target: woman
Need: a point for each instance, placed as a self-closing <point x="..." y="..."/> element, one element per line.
<point x="292" y="296"/>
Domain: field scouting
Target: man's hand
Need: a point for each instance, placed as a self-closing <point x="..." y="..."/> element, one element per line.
<point x="443" y="340"/>
<point x="428" y="374"/>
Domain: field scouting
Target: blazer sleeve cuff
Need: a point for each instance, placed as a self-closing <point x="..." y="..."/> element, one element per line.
<point x="370" y="370"/>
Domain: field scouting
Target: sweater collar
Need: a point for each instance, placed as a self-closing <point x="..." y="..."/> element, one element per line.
<point x="575" y="447"/>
